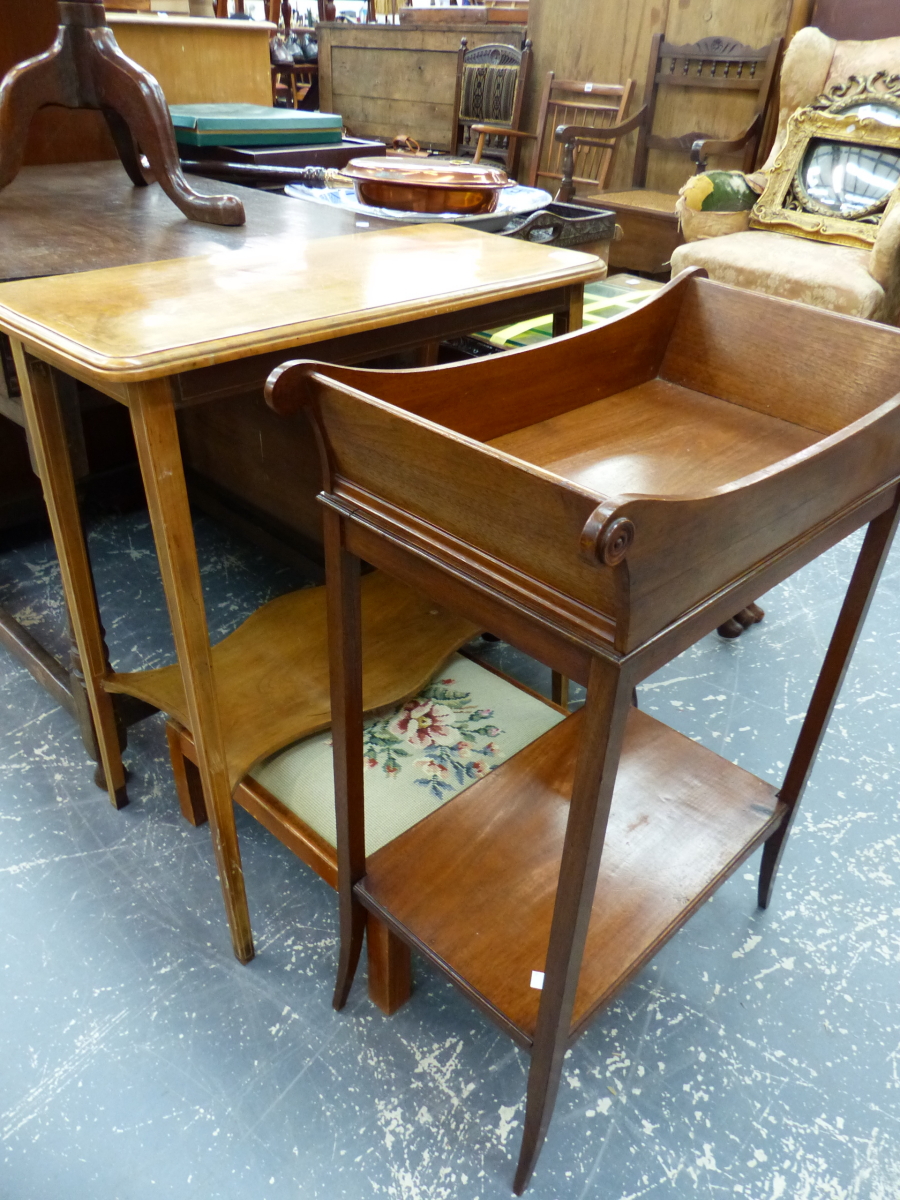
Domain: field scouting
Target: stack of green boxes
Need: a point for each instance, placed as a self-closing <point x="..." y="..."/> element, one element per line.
<point x="253" y="125"/>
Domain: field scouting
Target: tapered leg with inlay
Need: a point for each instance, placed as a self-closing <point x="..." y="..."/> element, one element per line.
<point x="50" y="446"/>
<point x="605" y="713"/>
<point x="866" y="573"/>
<point x="345" y="666"/>
<point x="159" y="454"/>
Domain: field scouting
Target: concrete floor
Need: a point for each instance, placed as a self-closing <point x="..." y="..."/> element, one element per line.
<point x="758" y="1057"/>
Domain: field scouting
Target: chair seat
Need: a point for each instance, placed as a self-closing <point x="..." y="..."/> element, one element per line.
<point x="419" y="754"/>
<point x="794" y="268"/>
<point x="643" y="200"/>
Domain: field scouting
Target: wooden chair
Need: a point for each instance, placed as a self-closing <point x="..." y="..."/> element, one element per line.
<point x="711" y="420"/>
<point x="565" y="102"/>
<point x="490" y="88"/>
<point x="702" y="72"/>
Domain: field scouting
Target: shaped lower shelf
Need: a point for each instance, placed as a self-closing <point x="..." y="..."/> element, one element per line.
<point x="472" y="886"/>
<point x="272" y="672"/>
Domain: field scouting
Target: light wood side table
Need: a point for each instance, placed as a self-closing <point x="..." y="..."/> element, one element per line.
<point x="160" y="335"/>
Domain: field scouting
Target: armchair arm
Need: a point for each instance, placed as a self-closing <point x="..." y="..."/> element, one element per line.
<point x="485" y="131"/>
<point x="501" y="131"/>
<point x="589" y="136"/>
<point x="884" y="259"/>
<point x="575" y="135"/>
<point x="703" y="147"/>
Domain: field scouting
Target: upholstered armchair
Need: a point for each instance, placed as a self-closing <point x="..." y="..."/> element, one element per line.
<point x="861" y="282"/>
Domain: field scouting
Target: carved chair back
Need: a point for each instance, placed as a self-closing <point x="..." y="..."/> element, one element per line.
<point x="714" y="64"/>
<point x="490" y="88"/>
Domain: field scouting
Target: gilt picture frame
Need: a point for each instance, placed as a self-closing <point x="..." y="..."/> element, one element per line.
<point x="787" y="205"/>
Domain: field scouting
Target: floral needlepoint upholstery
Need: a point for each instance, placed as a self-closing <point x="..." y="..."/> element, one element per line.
<point x="418" y="756"/>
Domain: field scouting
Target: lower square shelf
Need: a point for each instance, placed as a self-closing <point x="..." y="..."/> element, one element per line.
<point x="472" y="886"/>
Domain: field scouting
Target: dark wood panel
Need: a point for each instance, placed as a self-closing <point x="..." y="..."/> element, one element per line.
<point x="25" y="29"/>
<point x="857" y="19"/>
<point x="239" y="444"/>
<point x="20" y="489"/>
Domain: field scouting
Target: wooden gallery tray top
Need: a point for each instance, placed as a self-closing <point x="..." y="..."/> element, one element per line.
<point x="150" y="320"/>
<point x="601" y="502"/>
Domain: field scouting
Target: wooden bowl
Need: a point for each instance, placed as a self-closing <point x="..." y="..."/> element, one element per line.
<point x="423" y="185"/>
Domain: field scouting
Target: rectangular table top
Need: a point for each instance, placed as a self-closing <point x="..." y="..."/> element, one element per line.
<point x="153" y="319"/>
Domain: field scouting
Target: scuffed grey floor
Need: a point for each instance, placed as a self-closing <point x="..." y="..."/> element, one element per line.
<point x="758" y="1057"/>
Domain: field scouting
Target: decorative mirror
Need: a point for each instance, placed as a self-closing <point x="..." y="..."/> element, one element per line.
<point x="840" y="165"/>
<point x="844" y="179"/>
